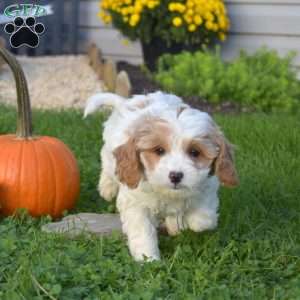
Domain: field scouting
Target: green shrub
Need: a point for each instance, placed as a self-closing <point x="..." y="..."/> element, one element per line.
<point x="262" y="80"/>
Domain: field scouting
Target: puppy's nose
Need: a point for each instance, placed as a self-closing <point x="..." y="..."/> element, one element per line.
<point x="175" y="177"/>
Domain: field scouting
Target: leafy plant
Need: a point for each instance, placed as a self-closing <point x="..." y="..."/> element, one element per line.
<point x="262" y="80"/>
<point x="187" y="21"/>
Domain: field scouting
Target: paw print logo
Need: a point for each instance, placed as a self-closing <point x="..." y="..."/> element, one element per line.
<point x="24" y="32"/>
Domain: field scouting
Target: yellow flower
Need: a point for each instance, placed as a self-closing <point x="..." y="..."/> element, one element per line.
<point x="132" y="23"/>
<point x="134" y="19"/>
<point x="215" y="27"/>
<point x="172" y="6"/>
<point x="138" y="7"/>
<point x="151" y="4"/>
<point x="198" y="20"/>
<point x="190" y="12"/>
<point x="124" y="11"/>
<point x="222" y="22"/>
<point x="180" y="7"/>
<point x="177" y="21"/>
<point x="209" y="25"/>
<point x="192" y="27"/>
<point x="101" y="14"/>
<point x="104" y="5"/>
<point x="222" y="36"/>
<point x="188" y="19"/>
<point x="222" y="8"/>
<point x="209" y="16"/>
<point x="107" y="19"/>
<point x="125" y="42"/>
<point x="130" y="9"/>
<point x="199" y="10"/>
<point x="209" y="6"/>
<point x="190" y="4"/>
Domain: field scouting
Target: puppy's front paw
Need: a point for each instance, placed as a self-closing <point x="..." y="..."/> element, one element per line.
<point x="200" y="221"/>
<point x="144" y="247"/>
<point x="174" y="225"/>
<point x="108" y="187"/>
<point x="141" y="256"/>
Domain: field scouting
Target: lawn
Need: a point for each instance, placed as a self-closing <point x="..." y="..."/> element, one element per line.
<point x="254" y="253"/>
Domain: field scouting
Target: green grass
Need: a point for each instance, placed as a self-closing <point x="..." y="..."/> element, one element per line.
<point x="254" y="253"/>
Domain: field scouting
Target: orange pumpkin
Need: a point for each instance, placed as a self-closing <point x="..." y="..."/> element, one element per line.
<point x="37" y="173"/>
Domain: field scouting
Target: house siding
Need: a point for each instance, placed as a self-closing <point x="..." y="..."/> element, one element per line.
<point x="254" y="23"/>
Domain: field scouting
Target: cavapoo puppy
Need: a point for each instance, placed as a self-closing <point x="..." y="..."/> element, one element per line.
<point x="164" y="161"/>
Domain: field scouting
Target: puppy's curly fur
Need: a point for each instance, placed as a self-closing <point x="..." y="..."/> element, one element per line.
<point x="163" y="161"/>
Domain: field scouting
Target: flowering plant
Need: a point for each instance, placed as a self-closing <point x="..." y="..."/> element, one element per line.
<point x="174" y="21"/>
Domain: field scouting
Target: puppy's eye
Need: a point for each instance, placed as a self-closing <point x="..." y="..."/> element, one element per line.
<point x="160" y="151"/>
<point x="194" y="153"/>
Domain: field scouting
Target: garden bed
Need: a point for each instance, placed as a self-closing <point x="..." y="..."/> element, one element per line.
<point x="142" y="83"/>
<point x="54" y="82"/>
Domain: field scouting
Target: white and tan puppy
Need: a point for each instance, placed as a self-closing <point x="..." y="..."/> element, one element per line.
<point x="164" y="161"/>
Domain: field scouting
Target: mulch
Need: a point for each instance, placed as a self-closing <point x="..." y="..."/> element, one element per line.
<point x="142" y="84"/>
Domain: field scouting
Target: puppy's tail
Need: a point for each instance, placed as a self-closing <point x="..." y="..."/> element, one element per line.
<point x="101" y="100"/>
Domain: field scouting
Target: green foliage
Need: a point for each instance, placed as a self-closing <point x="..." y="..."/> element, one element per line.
<point x="262" y="80"/>
<point x="253" y="254"/>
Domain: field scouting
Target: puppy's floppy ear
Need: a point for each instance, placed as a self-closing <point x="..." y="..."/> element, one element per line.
<point x="224" y="166"/>
<point x="129" y="168"/>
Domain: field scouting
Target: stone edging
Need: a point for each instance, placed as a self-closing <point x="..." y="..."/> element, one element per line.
<point x="106" y="70"/>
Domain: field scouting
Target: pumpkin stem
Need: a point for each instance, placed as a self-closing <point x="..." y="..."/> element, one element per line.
<point x="24" y="125"/>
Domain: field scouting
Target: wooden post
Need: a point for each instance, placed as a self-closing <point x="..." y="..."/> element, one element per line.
<point x="110" y="75"/>
<point x="95" y="60"/>
<point x="123" y="85"/>
<point x="107" y="71"/>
